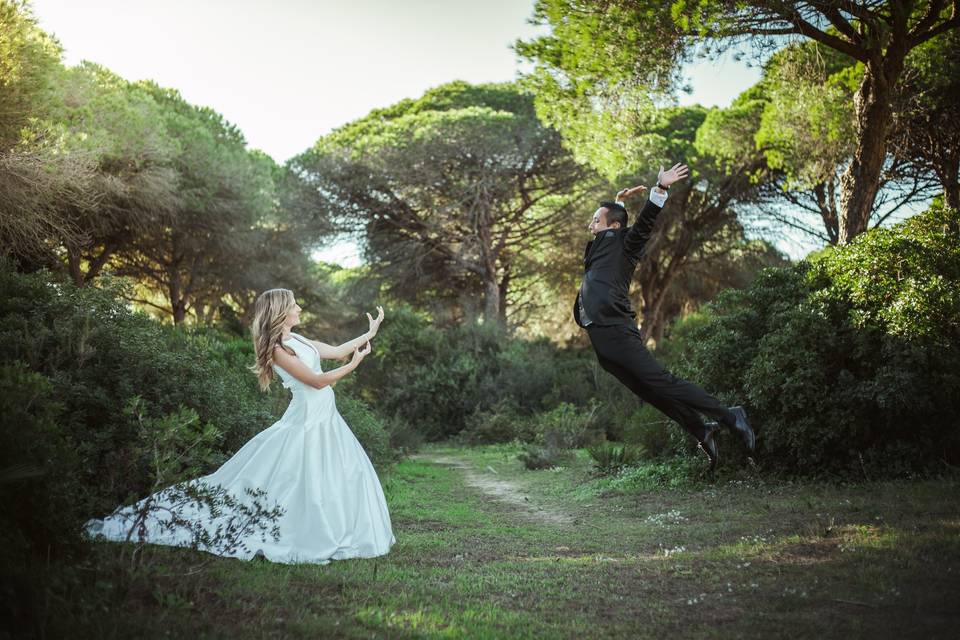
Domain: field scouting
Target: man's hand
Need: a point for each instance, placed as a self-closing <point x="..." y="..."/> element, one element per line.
<point x="623" y="194"/>
<point x="676" y="172"/>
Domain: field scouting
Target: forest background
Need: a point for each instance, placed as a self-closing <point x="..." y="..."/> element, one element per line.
<point x="139" y="228"/>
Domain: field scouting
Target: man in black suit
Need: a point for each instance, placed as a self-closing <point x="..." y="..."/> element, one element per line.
<point x="603" y="308"/>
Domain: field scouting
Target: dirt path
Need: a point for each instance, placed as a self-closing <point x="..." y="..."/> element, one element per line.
<point x="501" y="490"/>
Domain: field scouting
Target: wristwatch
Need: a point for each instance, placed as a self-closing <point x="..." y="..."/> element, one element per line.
<point x="660" y="186"/>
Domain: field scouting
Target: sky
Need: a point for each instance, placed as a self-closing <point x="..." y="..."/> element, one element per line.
<point x="289" y="71"/>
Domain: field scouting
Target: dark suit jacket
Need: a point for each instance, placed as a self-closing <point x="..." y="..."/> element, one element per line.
<point x="608" y="265"/>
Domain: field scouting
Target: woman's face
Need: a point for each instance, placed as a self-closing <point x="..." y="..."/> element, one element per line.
<point x="293" y="316"/>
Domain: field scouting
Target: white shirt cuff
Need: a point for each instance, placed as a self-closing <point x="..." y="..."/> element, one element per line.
<point x="658" y="196"/>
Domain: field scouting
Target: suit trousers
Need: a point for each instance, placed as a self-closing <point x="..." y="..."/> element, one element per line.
<point x="621" y="351"/>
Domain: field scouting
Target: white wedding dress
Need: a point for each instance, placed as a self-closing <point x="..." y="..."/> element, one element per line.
<point x="311" y="464"/>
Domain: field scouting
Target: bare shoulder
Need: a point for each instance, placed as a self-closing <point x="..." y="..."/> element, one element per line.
<point x="281" y="352"/>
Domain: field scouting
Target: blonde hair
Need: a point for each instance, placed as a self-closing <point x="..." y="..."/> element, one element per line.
<point x="269" y="313"/>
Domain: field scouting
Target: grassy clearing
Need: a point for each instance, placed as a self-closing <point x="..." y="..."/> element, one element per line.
<point x="737" y="559"/>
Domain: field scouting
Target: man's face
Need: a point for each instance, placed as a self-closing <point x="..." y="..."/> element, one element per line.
<point x="598" y="222"/>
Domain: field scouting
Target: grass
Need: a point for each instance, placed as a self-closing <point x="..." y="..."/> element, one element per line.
<point x="738" y="559"/>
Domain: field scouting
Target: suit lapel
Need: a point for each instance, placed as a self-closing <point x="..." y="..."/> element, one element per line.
<point x="592" y="248"/>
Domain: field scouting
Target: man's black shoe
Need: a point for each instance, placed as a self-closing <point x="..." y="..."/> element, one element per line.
<point x="709" y="444"/>
<point x="742" y="427"/>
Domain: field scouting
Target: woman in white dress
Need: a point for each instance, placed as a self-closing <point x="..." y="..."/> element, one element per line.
<point x="309" y="462"/>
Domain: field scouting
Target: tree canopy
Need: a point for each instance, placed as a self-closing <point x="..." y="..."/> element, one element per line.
<point x="454" y="193"/>
<point x="605" y="56"/>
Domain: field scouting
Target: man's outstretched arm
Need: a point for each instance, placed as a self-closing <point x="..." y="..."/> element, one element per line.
<point x="639" y="233"/>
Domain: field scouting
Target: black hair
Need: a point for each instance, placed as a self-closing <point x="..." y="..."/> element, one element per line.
<point x="616" y="212"/>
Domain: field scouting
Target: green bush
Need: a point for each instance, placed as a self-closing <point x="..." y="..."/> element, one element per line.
<point x="609" y="457"/>
<point x="849" y="362"/>
<point x="654" y="434"/>
<point x="80" y="374"/>
<point x="535" y="457"/>
<point x="100" y="406"/>
<point x="98" y="356"/>
<point x="436" y="379"/>
<point x="37" y="462"/>
<point x="369" y="429"/>
<point x="568" y="427"/>
<point x="501" y="423"/>
<point x="674" y="472"/>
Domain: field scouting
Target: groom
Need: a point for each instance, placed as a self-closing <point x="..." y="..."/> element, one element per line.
<point x="603" y="308"/>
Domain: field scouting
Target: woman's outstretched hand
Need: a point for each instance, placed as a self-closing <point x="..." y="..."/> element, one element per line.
<point x="360" y="353"/>
<point x="375" y="322"/>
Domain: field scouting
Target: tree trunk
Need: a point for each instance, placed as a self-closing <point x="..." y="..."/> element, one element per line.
<point x="96" y="265"/>
<point x="73" y="265"/>
<point x="491" y="299"/>
<point x="951" y="189"/>
<point x="179" y="312"/>
<point x="824" y="194"/>
<point x="502" y="289"/>
<point x="861" y="181"/>
<point x="177" y="303"/>
<point x="652" y="315"/>
<point x="653" y="291"/>
<point x="951" y="194"/>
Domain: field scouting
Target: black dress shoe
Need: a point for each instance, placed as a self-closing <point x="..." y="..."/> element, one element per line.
<point x="709" y="444"/>
<point x="742" y="427"/>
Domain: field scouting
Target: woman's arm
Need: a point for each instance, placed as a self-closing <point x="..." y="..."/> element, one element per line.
<point x="293" y="365"/>
<point x="343" y="351"/>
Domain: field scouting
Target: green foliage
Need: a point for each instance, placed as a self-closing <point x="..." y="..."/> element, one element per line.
<point x="901" y="281"/>
<point x="102" y="175"/>
<point x="452" y="192"/>
<point x="848" y="362"/>
<point x="558" y="432"/>
<point x="535" y="457"/>
<point x="653" y="434"/>
<point x="500" y="423"/>
<point x="28" y="57"/>
<point x="369" y="429"/>
<point x="36" y="463"/>
<point x="927" y="128"/>
<point x="597" y="67"/>
<point x="568" y="427"/>
<point x="673" y="472"/>
<point x="807" y="128"/>
<point x="111" y="371"/>
<point x="435" y="379"/>
<point x="107" y="405"/>
<point x="610" y="458"/>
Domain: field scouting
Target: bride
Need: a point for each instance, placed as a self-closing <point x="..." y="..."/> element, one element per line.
<point x="309" y="462"/>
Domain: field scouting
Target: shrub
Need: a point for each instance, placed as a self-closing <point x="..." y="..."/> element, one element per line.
<point x="437" y="379"/>
<point x="95" y="399"/>
<point x="501" y="423"/>
<point x="369" y="429"/>
<point x="568" y="427"/>
<point x="849" y="359"/>
<point x="609" y="457"/>
<point x="81" y="373"/>
<point x="535" y="457"/>
<point x="673" y="472"/>
<point x="654" y="434"/>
